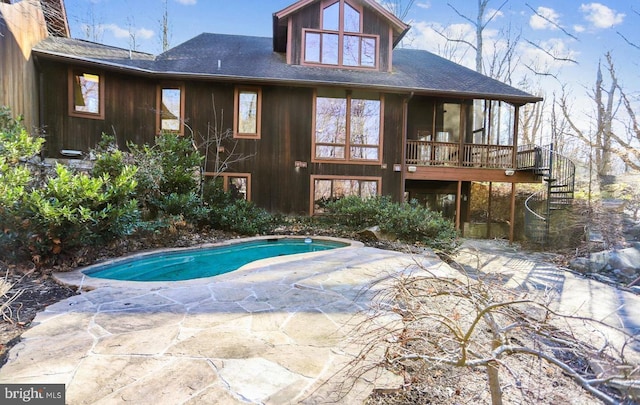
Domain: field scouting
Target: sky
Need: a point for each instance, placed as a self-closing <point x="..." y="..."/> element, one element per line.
<point x="578" y="33"/>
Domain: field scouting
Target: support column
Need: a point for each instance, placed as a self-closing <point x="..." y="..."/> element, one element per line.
<point x="516" y="122"/>
<point x="458" y="205"/>
<point x="488" y="235"/>
<point x="512" y="219"/>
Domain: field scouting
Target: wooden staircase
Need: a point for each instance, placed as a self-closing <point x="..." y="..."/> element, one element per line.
<point x="557" y="172"/>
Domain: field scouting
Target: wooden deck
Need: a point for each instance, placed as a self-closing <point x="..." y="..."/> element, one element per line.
<point x="429" y="160"/>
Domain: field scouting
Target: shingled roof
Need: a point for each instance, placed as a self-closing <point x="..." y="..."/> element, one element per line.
<point x="252" y="59"/>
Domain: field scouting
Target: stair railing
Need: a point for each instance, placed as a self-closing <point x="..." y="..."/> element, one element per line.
<point x="558" y="172"/>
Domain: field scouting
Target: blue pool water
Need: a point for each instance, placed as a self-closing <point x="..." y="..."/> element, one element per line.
<point x="205" y="262"/>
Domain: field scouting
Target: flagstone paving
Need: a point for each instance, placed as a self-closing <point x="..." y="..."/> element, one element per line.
<point x="274" y="332"/>
<point x="567" y="292"/>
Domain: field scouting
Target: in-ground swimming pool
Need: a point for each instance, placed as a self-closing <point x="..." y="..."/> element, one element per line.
<point x="205" y="262"/>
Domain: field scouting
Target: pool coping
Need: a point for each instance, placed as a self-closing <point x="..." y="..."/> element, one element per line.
<point x="77" y="278"/>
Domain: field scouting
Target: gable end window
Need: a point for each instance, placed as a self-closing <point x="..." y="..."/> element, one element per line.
<point x="340" y="41"/>
<point x="86" y="94"/>
<point x="170" y="108"/>
<point x="247" y="112"/>
<point x="347" y="127"/>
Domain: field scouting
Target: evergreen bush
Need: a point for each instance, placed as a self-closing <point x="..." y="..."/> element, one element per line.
<point x="409" y="222"/>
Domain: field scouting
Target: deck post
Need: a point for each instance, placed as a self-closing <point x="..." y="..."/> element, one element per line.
<point x="489" y="201"/>
<point x="458" y="205"/>
<point x="516" y="128"/>
<point x="512" y="219"/>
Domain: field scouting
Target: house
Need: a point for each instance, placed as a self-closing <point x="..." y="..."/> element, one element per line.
<point x="329" y="106"/>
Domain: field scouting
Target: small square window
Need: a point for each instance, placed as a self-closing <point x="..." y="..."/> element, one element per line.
<point x="86" y="94"/>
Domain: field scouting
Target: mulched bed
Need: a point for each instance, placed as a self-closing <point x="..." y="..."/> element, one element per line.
<point x="35" y="290"/>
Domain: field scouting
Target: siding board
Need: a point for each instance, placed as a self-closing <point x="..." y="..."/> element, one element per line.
<point x="22" y="26"/>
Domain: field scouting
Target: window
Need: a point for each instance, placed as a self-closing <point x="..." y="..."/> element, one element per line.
<point x="347" y="126"/>
<point x="170" y="109"/>
<point x="329" y="189"/>
<point x="86" y="94"/>
<point x="340" y="42"/>
<point x="247" y="113"/>
<point x="238" y="184"/>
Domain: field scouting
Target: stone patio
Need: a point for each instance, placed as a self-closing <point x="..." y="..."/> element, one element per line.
<point x="274" y="332"/>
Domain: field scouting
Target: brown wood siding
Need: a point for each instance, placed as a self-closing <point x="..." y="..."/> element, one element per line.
<point x="129" y="111"/>
<point x="21" y="27"/>
<point x="373" y="24"/>
<point x="308" y="17"/>
<point x="276" y="183"/>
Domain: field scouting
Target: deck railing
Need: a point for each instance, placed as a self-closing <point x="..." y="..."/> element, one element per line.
<point x="429" y="153"/>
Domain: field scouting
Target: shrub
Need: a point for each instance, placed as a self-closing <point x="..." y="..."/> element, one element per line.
<point x="189" y="206"/>
<point x="74" y="209"/>
<point x="228" y="212"/>
<point x="409" y="222"/>
<point x="168" y="173"/>
<point x="68" y="209"/>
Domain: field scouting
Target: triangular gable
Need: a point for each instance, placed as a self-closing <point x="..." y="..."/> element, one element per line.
<point x="280" y="17"/>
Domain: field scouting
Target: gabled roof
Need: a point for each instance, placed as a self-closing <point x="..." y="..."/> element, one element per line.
<point x="279" y="21"/>
<point x="251" y="60"/>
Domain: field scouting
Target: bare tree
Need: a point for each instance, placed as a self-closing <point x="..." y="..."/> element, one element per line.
<point x="602" y="138"/>
<point x="92" y="26"/>
<point x="426" y="323"/>
<point x="399" y="8"/>
<point x="131" y="27"/>
<point x="165" y="28"/>
<point x="632" y="42"/>
<point x="480" y="23"/>
<point x="219" y="147"/>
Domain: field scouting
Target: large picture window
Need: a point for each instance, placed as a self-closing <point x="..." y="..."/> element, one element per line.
<point x="247" y="112"/>
<point x="86" y="94"/>
<point x="348" y="126"/>
<point x="328" y="189"/>
<point x="170" y="108"/>
<point x="340" y="42"/>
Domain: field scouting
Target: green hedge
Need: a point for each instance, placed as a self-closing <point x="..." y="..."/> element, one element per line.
<point x="409" y="222"/>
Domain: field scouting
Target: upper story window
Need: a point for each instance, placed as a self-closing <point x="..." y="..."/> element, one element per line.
<point x="86" y="94"/>
<point x="348" y="127"/>
<point x="170" y="108"/>
<point x="247" y="112"/>
<point x="340" y="42"/>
